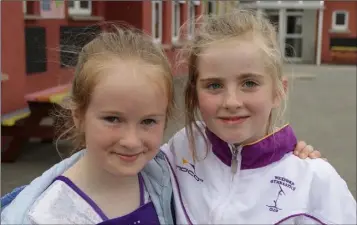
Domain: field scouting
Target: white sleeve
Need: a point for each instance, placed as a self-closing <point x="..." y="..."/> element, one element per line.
<point x="331" y="200"/>
<point x="165" y="148"/>
<point x="169" y="150"/>
<point x="177" y="141"/>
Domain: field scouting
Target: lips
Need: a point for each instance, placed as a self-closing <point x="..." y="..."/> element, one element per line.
<point x="127" y="157"/>
<point x="233" y="119"/>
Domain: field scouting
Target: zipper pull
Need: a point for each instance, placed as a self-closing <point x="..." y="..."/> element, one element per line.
<point x="234" y="161"/>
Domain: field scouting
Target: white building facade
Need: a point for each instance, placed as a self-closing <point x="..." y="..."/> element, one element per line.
<point x="299" y="25"/>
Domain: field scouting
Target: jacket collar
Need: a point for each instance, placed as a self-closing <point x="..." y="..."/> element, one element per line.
<point x="261" y="153"/>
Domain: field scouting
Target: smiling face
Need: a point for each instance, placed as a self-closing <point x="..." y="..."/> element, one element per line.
<point x="125" y="119"/>
<point x="235" y="93"/>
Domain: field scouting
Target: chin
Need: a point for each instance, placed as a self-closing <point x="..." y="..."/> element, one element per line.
<point x="234" y="138"/>
<point x="122" y="169"/>
<point x="126" y="172"/>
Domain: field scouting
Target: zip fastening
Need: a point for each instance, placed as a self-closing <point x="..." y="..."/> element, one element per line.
<point x="235" y="162"/>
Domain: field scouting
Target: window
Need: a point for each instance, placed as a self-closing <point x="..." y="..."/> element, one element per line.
<point x="175" y="20"/>
<point x="24" y="7"/>
<point x="340" y="20"/>
<point x="46" y="5"/>
<point x="80" y="7"/>
<point x="196" y="2"/>
<point x="211" y="7"/>
<point x="191" y="20"/>
<point x="35" y="49"/>
<point x="28" y="7"/>
<point x="156" y="21"/>
<point x="72" y="39"/>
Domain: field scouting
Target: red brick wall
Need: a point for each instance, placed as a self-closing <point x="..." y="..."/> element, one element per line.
<point x="12" y="56"/>
<point x="129" y="12"/>
<point x="13" y="47"/>
<point x="136" y="13"/>
<point x="326" y="54"/>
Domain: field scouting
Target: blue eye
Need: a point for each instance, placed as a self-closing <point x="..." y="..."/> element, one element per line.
<point x="250" y="84"/>
<point x="112" y="119"/>
<point x="149" y="122"/>
<point x="214" y="86"/>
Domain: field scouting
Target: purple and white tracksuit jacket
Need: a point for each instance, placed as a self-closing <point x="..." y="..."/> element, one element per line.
<point x="259" y="183"/>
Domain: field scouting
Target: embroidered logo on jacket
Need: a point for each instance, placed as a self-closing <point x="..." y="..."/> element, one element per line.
<point x="280" y="181"/>
<point x="274" y="207"/>
<point x="283" y="181"/>
<point x="190" y="171"/>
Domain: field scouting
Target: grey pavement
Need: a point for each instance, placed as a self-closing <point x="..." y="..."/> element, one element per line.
<point x="322" y="110"/>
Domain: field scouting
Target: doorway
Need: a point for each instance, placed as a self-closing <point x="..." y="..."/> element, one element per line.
<point x="293" y="34"/>
<point x="288" y="24"/>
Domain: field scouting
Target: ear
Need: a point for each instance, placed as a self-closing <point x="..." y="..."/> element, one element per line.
<point x="281" y="95"/>
<point x="285" y="84"/>
<point x="76" y="117"/>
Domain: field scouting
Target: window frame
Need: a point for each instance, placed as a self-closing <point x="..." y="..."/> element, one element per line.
<point x="175" y="22"/>
<point x="191" y="16"/>
<point x="334" y="20"/>
<point x="153" y="21"/>
<point x="214" y="7"/>
<point x="24" y="7"/>
<point x="77" y="10"/>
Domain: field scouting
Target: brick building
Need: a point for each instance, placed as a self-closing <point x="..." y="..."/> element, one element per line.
<point x="298" y="24"/>
<point x="313" y="32"/>
<point x="35" y="36"/>
<point x="339" y="37"/>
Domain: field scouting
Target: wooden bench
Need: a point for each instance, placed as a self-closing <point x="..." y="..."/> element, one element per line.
<point x="344" y="54"/>
<point x="20" y="127"/>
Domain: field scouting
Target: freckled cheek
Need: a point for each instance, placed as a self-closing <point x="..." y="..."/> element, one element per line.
<point x="259" y="106"/>
<point x="103" y="138"/>
<point x="152" y="138"/>
<point x="208" y="104"/>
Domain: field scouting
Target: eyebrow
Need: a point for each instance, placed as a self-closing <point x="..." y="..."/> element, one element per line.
<point x="250" y="75"/>
<point x="241" y="77"/>
<point x="154" y="115"/>
<point x="122" y="114"/>
<point x="210" y="79"/>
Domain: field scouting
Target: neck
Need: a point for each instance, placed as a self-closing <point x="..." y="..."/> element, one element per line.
<point x="90" y="176"/>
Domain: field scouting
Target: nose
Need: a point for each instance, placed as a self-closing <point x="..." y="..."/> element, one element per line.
<point x="130" y="139"/>
<point x="232" y="100"/>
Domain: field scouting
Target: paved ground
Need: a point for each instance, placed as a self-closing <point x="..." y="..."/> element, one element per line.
<point x="322" y="109"/>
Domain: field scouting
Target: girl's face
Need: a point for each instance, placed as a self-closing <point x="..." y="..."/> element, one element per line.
<point x="235" y="93"/>
<point x="125" y="119"/>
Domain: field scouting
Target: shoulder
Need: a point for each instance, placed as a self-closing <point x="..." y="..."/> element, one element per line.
<point x="316" y="170"/>
<point x="319" y="169"/>
<point x="328" y="196"/>
<point x="308" y="174"/>
<point x="60" y="204"/>
<point x="157" y="169"/>
<point x="325" y="178"/>
<point x="15" y="211"/>
<point x="180" y="140"/>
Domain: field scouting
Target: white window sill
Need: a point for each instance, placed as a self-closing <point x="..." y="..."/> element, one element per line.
<point x="33" y="17"/>
<point x="79" y="12"/>
<point x="4" y="77"/>
<point x="157" y="41"/>
<point x="175" y="39"/>
<point x="339" y="31"/>
<point x="85" y="18"/>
